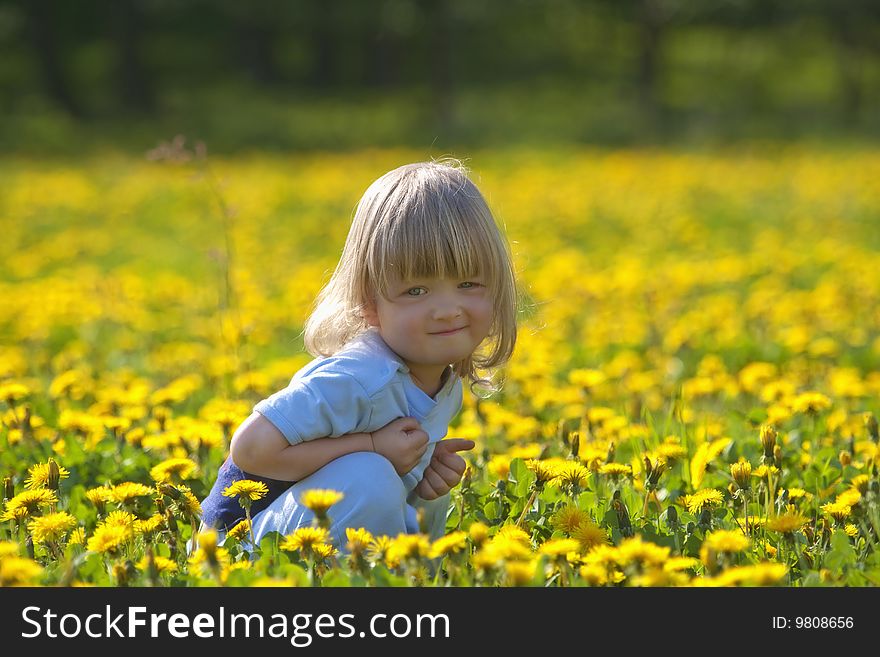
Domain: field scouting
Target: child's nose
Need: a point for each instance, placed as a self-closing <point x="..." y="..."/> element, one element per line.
<point x="447" y="307"/>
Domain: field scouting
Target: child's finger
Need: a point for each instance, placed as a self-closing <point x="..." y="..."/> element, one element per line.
<point x="407" y="424"/>
<point x="457" y="444"/>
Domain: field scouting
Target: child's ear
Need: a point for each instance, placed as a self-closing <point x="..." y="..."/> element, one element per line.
<point x="371" y="315"/>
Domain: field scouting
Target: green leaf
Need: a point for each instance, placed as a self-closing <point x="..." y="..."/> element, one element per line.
<point x="491" y="510"/>
<point x="842" y="555"/>
<point x="336" y="577"/>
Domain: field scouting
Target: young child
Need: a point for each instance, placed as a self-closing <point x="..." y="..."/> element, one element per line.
<point x="423" y="296"/>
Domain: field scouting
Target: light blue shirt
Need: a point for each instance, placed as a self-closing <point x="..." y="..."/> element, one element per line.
<point x="361" y="388"/>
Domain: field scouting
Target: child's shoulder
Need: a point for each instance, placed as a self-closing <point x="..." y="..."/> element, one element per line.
<point x="366" y="358"/>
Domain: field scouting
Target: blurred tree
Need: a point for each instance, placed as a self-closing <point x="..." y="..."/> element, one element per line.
<point x="133" y="84"/>
<point x="42" y="30"/>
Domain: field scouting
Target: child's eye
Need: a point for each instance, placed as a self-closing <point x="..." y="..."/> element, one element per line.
<point x="470" y="285"/>
<point x="414" y="291"/>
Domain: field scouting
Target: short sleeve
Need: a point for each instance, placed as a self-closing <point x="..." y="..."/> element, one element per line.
<point x="323" y="403"/>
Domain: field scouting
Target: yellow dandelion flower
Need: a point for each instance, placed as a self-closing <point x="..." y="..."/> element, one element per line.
<point x="836" y="510"/>
<point x="163" y="565"/>
<point x="120" y="519"/>
<point x="544" y="472"/>
<point x="595" y="574"/>
<point x="357" y="540"/>
<point x="586" y="378"/>
<point x="247" y="491"/>
<point x="407" y="546"/>
<point x="519" y="573"/>
<point x="761" y="574"/>
<point x="12" y="392"/>
<point x="706" y="498"/>
<point x="512" y="533"/>
<point x="241" y="531"/>
<point x="810" y="402"/>
<point x="99" y="496"/>
<point x="851" y="530"/>
<point x="670" y="451"/>
<point x="323" y="550"/>
<point x="635" y="550"/>
<point x="568" y="518"/>
<point x="77" y="536"/>
<point x="305" y="538"/>
<point x="452" y="543"/>
<point x="849" y="497"/>
<point x="478" y="533"/>
<point x="8" y="549"/>
<point x="705" y="453"/>
<point x="127" y="491"/>
<point x="572" y="474"/>
<point x="17" y="514"/>
<point x="786" y="523"/>
<point x="798" y="493"/>
<point x="499" y="466"/>
<point x="149" y="526"/>
<point x="174" y="470"/>
<point x="764" y="471"/>
<point x="615" y="470"/>
<point x="723" y="541"/>
<point x="17" y="571"/>
<point x="51" y="527"/>
<point x="559" y="547"/>
<point x="588" y="534"/>
<point x="379" y="547"/>
<point x="40" y="474"/>
<point x="185" y="502"/>
<point x="681" y="563"/>
<point x="319" y="501"/>
<point x="28" y="503"/>
<point x="861" y="482"/>
<point x="496" y="551"/>
<point x="109" y="538"/>
<point x="208" y="558"/>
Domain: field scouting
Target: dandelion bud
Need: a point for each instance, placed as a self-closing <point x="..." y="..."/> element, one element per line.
<point x="742" y="472"/>
<point x="610" y="457"/>
<point x="777" y="456"/>
<point x="575" y="444"/>
<point x="705" y="522"/>
<point x="54" y="475"/>
<point x="672" y="518"/>
<point x="871" y="424"/>
<point x="653" y="471"/>
<point x="844" y="457"/>
<point x="768" y="440"/>
<point x="623" y="521"/>
<point x="8" y="489"/>
<point x="169" y="490"/>
<point x="170" y="522"/>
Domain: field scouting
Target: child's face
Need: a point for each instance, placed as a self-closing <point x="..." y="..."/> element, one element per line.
<point x="431" y="323"/>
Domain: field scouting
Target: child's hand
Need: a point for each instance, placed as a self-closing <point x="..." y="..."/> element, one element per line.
<point x="445" y="469"/>
<point x="402" y="442"/>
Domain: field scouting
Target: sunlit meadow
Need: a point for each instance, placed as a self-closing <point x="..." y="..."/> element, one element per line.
<point x="692" y="401"/>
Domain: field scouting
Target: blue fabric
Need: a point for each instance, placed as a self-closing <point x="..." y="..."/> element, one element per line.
<point x="361" y="388"/>
<point x="374" y="498"/>
<point x="224" y="513"/>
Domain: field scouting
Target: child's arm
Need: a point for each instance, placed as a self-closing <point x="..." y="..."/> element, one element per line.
<point x="260" y="448"/>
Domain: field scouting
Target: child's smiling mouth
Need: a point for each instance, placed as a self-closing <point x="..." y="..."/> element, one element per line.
<point x="451" y="331"/>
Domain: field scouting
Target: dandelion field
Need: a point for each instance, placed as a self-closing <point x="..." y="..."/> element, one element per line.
<point x="692" y="401"/>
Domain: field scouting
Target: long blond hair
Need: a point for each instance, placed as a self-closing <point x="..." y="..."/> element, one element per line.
<point x="420" y="220"/>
